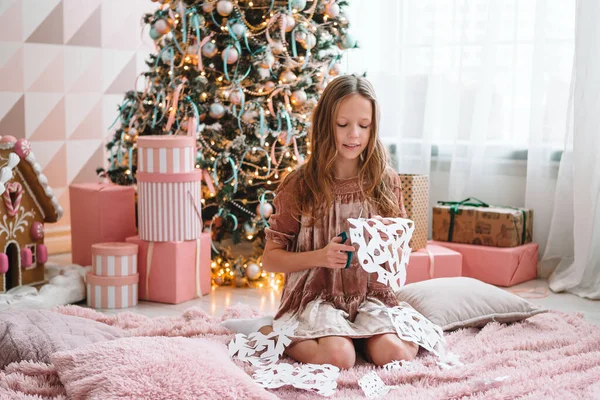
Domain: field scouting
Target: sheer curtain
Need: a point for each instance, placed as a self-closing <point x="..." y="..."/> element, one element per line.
<point x="475" y="93"/>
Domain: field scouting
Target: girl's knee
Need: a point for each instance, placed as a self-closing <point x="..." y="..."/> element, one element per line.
<point x="405" y="351"/>
<point x="340" y="353"/>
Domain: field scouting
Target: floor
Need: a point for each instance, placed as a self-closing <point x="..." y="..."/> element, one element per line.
<point x="267" y="300"/>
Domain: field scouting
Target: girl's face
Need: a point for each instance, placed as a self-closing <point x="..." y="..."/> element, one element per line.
<point x="353" y="126"/>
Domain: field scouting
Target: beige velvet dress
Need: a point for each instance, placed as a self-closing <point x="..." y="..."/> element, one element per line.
<point x="323" y="301"/>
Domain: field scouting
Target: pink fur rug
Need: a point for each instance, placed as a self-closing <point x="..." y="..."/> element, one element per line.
<point x="553" y="355"/>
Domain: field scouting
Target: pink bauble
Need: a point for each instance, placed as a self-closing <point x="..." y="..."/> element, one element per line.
<point x="22" y="148"/>
<point x="3" y="263"/>
<point x="236" y="97"/>
<point x="37" y="230"/>
<point x="264" y="209"/>
<point x="232" y="55"/>
<point x="26" y="258"/>
<point x="162" y="27"/>
<point x="8" y="139"/>
<point x="224" y="7"/>
<point x="42" y="254"/>
<point x="332" y="10"/>
<point x="290" y="22"/>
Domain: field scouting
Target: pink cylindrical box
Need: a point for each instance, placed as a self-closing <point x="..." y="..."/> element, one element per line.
<point x="114" y="259"/>
<point x="112" y="292"/>
<point x="166" y="154"/>
<point x="169" y="206"/>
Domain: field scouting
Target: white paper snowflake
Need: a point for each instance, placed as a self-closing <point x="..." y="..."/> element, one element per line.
<point x="387" y="246"/>
<point x="270" y="347"/>
<point x="319" y="378"/>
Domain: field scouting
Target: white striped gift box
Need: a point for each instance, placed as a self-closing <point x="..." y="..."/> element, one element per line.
<point x="109" y="292"/>
<point x="169" y="206"/>
<point x="114" y="259"/>
<point x="166" y="154"/>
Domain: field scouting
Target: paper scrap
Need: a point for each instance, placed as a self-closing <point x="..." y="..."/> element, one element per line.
<point x="319" y="378"/>
<point x="382" y="248"/>
<point x="400" y="365"/>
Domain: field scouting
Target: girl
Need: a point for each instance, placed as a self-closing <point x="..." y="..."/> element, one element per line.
<point x="345" y="176"/>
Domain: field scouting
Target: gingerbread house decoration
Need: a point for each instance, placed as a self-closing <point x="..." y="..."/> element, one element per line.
<point x="26" y="204"/>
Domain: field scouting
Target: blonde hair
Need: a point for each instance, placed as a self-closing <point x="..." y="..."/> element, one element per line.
<point x="316" y="175"/>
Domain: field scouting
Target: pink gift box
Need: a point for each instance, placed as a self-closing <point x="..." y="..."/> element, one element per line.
<point x="166" y="154"/>
<point x="99" y="213"/>
<point x="114" y="259"/>
<point x="433" y="261"/>
<point x="169" y="206"/>
<point x="112" y="292"/>
<point x="173" y="272"/>
<point x="501" y="266"/>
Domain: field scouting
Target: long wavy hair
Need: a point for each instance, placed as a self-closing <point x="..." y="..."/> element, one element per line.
<point x="316" y="175"/>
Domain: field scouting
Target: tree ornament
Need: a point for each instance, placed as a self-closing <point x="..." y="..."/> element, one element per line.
<point x="240" y="281"/>
<point x="310" y="42"/>
<point x="290" y="22"/>
<point x="209" y="50"/>
<point x="264" y="73"/>
<point x="161" y="26"/>
<point x="267" y="61"/>
<point x="153" y="34"/>
<point x="232" y="55"/>
<point x="217" y="110"/>
<point x="332" y="10"/>
<point x="224" y="7"/>
<point x="208" y="6"/>
<point x="253" y="271"/>
<point x="249" y="116"/>
<point x="249" y="228"/>
<point x="348" y="41"/>
<point x="299" y="4"/>
<point x="287" y="76"/>
<point x="277" y="48"/>
<point x="219" y="280"/>
<point x="236" y="97"/>
<point x="298" y="97"/>
<point x="264" y="209"/>
<point x="269" y="85"/>
<point x="335" y="70"/>
<point x="238" y="30"/>
<point x="301" y="36"/>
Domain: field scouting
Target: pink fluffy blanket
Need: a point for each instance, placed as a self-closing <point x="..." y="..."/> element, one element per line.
<point x="553" y="355"/>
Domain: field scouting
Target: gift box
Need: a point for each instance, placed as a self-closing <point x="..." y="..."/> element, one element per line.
<point x="110" y="292"/>
<point x="415" y="191"/>
<point x="99" y="213"/>
<point x="169" y="206"/>
<point x="498" y="266"/>
<point x="472" y="221"/>
<point x="174" y="272"/>
<point x="166" y="154"/>
<point x="433" y="261"/>
<point x="114" y="259"/>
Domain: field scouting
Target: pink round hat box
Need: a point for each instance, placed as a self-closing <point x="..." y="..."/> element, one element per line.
<point x="110" y="292"/>
<point x="114" y="259"/>
<point x="169" y="206"/>
<point x="166" y="154"/>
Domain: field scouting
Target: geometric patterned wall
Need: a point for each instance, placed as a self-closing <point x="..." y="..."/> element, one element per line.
<point x="64" y="67"/>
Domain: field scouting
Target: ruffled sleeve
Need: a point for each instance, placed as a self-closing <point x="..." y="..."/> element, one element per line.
<point x="283" y="224"/>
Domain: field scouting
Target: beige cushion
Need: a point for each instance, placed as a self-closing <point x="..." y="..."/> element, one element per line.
<point x="462" y="302"/>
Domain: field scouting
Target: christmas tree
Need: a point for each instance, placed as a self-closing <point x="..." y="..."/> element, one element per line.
<point x="243" y="77"/>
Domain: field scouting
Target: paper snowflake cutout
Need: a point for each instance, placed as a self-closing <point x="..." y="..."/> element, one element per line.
<point x="372" y="385"/>
<point x="319" y="378"/>
<point x="383" y="247"/>
<point x="400" y="365"/>
<point x="412" y="326"/>
<point x="270" y="347"/>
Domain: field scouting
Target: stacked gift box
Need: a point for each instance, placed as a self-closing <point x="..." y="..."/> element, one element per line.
<point x="113" y="281"/>
<point x="174" y="253"/>
<point x="495" y="241"/>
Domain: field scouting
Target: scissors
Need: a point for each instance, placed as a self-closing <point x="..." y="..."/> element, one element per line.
<point x="344" y="237"/>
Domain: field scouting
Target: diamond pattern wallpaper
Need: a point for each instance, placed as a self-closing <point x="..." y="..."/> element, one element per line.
<point x="64" y="67"/>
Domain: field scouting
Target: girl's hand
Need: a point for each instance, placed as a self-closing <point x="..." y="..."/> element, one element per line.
<point x="334" y="254"/>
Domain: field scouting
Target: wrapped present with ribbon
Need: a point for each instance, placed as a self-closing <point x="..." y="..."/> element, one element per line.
<point x="433" y="261"/>
<point x="415" y="190"/>
<point x="472" y="221"/>
<point x="173" y="272"/>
